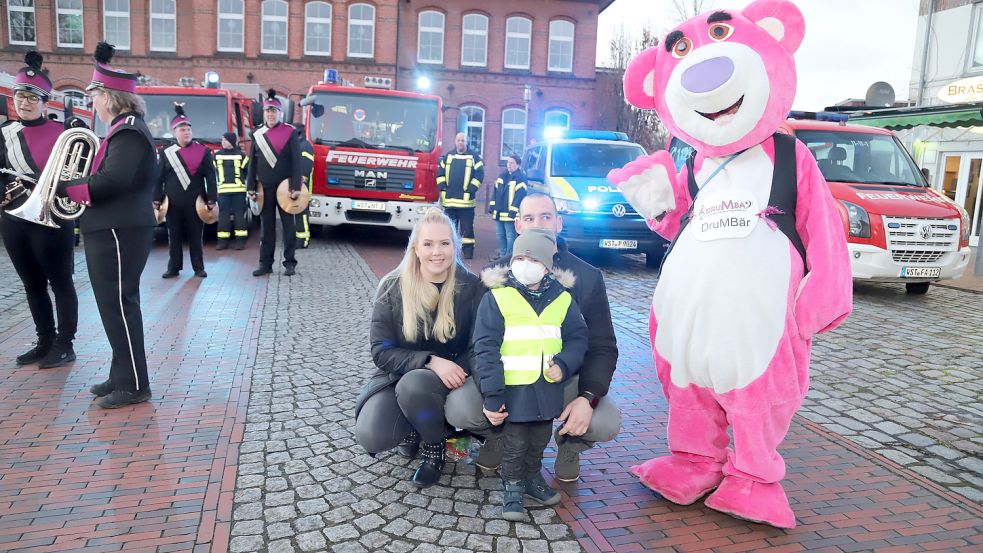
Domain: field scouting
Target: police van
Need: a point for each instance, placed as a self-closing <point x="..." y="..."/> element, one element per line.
<point x="572" y="168"/>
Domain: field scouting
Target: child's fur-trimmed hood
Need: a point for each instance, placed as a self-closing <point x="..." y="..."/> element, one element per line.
<point x="495" y="277"/>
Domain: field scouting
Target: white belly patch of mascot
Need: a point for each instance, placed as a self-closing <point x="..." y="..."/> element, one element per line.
<point x="735" y="307"/>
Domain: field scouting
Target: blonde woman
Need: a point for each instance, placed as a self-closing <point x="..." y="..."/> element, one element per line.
<point x="421" y="344"/>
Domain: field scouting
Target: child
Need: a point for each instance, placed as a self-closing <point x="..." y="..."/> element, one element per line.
<point x="529" y="336"/>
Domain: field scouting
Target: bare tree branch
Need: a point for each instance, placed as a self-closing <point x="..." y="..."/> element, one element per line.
<point x="686" y="9"/>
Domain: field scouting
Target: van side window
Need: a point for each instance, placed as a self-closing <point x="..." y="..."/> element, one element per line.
<point x="534" y="164"/>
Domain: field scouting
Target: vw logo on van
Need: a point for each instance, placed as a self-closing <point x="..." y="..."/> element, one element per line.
<point x="925" y="231"/>
<point x="618" y="210"/>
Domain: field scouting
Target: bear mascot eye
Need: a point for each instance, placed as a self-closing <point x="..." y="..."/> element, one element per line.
<point x="682" y="48"/>
<point x="720" y="31"/>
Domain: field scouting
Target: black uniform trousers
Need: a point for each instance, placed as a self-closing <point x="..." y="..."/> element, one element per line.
<point x="43" y="256"/>
<point x="522" y="455"/>
<point x="116" y="259"/>
<point x="463" y="219"/>
<point x="268" y="219"/>
<point x="183" y="224"/>
<point x="232" y="214"/>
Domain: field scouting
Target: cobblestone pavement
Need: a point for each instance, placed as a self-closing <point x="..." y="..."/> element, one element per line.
<point x="903" y="376"/>
<point x="303" y="484"/>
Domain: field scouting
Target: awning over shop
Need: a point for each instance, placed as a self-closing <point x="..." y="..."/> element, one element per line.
<point x="963" y="115"/>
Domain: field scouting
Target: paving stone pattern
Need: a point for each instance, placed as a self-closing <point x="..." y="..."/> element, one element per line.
<point x="903" y="376"/>
<point x="304" y="484"/>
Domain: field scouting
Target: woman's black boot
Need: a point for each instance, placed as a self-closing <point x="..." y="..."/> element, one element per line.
<point x="410" y="445"/>
<point x="430" y="469"/>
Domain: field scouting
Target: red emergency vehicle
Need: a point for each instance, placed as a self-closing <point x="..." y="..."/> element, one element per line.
<point x="375" y="154"/>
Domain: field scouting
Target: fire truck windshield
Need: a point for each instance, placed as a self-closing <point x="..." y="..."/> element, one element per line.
<point x="591" y="159"/>
<point x="209" y="116"/>
<point x="373" y="121"/>
<point x="865" y="158"/>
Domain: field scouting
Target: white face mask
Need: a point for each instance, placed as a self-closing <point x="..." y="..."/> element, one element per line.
<point x="528" y="272"/>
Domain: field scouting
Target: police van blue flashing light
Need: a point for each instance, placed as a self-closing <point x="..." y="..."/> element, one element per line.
<point x="212" y="80"/>
<point x="592" y="204"/>
<point x="590" y="135"/>
<point x="820" y="116"/>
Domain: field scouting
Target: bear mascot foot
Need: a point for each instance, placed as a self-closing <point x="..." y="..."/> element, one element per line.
<point x="753" y="501"/>
<point x="677" y="479"/>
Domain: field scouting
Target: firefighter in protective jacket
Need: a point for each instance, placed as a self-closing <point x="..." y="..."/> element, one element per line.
<point x="459" y="177"/>
<point x="230" y="164"/>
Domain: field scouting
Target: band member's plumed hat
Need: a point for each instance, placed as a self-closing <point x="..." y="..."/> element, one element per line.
<point x="180" y="118"/>
<point x="31" y="78"/>
<point x="272" y="101"/>
<point x="104" y="76"/>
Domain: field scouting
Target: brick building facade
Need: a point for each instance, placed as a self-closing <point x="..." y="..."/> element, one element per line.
<point x="504" y="69"/>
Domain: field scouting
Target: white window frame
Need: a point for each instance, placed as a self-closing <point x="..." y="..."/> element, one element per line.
<point x="108" y="14"/>
<point x="362" y="23"/>
<point x="230" y="16"/>
<point x="172" y="17"/>
<point x="513" y="127"/>
<point x="554" y="112"/>
<point x="975" y="40"/>
<point x="285" y="19"/>
<point x="554" y="38"/>
<point x="60" y="11"/>
<point x="420" y="30"/>
<point x="475" y="125"/>
<point x="10" y="29"/>
<point x="515" y="35"/>
<point x="75" y="96"/>
<point x="465" y="32"/>
<point x="308" y="20"/>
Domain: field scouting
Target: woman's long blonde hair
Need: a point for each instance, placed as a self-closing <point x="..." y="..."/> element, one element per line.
<point x="421" y="298"/>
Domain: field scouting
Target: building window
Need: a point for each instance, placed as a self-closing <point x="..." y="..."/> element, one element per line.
<point x="317" y="29"/>
<point x="561" y="46"/>
<point x="75" y="97"/>
<point x="163" y="26"/>
<point x="116" y="23"/>
<point x="230" y="26"/>
<point x="513" y="132"/>
<point x="518" y="38"/>
<point x="557" y="119"/>
<point x="274" y="27"/>
<point x="69" y="14"/>
<point x="474" y="40"/>
<point x="361" y="31"/>
<point x="977" y="61"/>
<point x="430" y="37"/>
<point x="20" y="22"/>
<point x="474" y="128"/>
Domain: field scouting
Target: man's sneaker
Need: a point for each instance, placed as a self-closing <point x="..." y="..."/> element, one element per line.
<point x="490" y="454"/>
<point x="169" y="274"/>
<point x="58" y="356"/>
<point x="512" y="501"/>
<point x="201" y="274"/>
<point x="121" y="398"/>
<point x="537" y="488"/>
<point x="260" y="271"/>
<point x="289" y="270"/>
<point x="222" y="245"/>
<point x="36" y="353"/>
<point x="410" y="445"/>
<point x="102" y="388"/>
<point x="567" y="465"/>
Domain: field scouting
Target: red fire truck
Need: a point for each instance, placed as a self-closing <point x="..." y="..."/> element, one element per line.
<point x="375" y="154"/>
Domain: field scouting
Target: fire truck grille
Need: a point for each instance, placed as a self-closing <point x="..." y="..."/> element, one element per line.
<point x="353" y="177"/>
<point x="921" y="235"/>
<point x="908" y="256"/>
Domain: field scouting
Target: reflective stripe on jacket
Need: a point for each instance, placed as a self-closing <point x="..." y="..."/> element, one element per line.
<point x="231" y="168"/>
<point x="530" y="340"/>
<point x="510" y="189"/>
<point x="459" y="177"/>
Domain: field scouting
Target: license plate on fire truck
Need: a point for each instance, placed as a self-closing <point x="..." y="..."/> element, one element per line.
<point x="921" y="272"/>
<point x="619" y="244"/>
<point x="368" y="206"/>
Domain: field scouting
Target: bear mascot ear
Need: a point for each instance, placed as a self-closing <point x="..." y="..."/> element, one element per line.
<point x="640" y="79"/>
<point x="779" y="18"/>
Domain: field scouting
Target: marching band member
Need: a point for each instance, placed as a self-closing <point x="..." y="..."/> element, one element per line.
<point x="275" y="157"/>
<point x="118" y="225"/>
<point x="459" y="176"/>
<point x="187" y="172"/>
<point x="41" y="255"/>
<point x="230" y="162"/>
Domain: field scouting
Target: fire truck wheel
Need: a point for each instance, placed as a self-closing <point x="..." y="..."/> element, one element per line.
<point x="917" y="287"/>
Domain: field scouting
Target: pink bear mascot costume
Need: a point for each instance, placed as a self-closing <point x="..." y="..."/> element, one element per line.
<point x="746" y="283"/>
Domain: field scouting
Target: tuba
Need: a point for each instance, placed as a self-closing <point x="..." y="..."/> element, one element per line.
<point x="71" y="158"/>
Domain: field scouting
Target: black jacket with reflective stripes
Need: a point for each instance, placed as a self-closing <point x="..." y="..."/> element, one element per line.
<point x="459" y="177"/>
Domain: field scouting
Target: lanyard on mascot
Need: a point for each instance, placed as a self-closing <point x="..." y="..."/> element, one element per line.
<point x="720" y="168"/>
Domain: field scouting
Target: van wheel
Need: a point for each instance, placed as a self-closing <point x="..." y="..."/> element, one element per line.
<point x="917" y="287"/>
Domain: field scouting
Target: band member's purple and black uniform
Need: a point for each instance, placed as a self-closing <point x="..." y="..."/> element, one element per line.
<point x="117" y="228"/>
<point x="41" y="255"/>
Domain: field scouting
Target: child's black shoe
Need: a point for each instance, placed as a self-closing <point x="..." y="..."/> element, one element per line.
<point x="512" y="501"/>
<point x="537" y="488"/>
